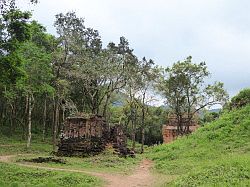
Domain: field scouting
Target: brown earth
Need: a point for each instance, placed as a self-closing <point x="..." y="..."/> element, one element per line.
<point x="141" y="177"/>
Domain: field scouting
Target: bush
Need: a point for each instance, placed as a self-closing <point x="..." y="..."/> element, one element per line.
<point x="240" y="100"/>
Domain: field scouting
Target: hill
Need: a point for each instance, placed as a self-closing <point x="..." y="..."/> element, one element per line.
<point x="217" y="154"/>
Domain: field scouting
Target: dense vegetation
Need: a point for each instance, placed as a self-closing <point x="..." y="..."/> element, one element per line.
<point x="215" y="155"/>
<point x="46" y="78"/>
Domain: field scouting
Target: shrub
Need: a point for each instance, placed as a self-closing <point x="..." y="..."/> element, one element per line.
<point x="241" y="99"/>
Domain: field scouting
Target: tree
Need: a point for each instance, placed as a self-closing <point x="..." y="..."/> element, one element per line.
<point x="14" y="31"/>
<point x="241" y="99"/>
<point x="81" y="58"/>
<point x="183" y="86"/>
<point x="148" y="74"/>
<point x="6" y="5"/>
<point x="94" y="73"/>
<point x="209" y="116"/>
<point x="37" y="79"/>
<point x="117" y="68"/>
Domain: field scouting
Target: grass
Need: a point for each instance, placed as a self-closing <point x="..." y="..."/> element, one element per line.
<point x="18" y="176"/>
<point x="217" y="154"/>
<point x="23" y="176"/>
<point x="16" y="145"/>
<point x="104" y="162"/>
<point x="15" y="176"/>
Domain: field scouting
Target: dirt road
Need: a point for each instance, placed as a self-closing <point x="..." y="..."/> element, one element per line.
<point x="141" y="177"/>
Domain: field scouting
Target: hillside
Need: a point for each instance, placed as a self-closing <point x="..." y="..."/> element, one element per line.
<point x="217" y="154"/>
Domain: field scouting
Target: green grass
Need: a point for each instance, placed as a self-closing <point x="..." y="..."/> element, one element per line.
<point x="217" y="154"/>
<point x="137" y="146"/>
<point x="16" y="176"/>
<point x="23" y="176"/>
<point x="104" y="162"/>
<point x="16" y="145"/>
<point x="9" y="148"/>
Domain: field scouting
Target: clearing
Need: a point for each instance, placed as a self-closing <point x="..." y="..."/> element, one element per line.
<point x="140" y="177"/>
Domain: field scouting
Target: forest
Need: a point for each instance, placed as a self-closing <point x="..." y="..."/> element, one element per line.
<point x="45" y="78"/>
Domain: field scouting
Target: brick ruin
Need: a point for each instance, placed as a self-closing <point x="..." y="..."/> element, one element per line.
<point x="169" y="130"/>
<point x="84" y="136"/>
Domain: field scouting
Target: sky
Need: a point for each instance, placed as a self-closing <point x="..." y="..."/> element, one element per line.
<point x="214" y="31"/>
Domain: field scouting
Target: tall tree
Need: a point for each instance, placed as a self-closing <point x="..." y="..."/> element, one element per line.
<point x="14" y="31"/>
<point x="186" y="92"/>
<point x="148" y="75"/>
<point x="37" y="79"/>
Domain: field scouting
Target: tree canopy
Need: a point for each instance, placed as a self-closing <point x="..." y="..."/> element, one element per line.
<point x="46" y="78"/>
<point x="186" y="91"/>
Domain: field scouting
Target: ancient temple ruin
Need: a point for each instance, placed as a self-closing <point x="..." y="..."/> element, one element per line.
<point x="170" y="130"/>
<point x="84" y="127"/>
<point x="83" y="136"/>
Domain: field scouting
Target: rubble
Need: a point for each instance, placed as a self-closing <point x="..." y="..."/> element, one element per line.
<point x="46" y="160"/>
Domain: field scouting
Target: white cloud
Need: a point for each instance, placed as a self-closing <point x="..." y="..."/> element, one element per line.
<point x="215" y="31"/>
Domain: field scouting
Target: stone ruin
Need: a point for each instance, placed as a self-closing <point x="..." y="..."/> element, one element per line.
<point x="169" y="130"/>
<point x="84" y="136"/>
<point x="119" y="141"/>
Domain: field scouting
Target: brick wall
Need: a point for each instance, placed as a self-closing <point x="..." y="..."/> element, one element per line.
<point x="169" y="130"/>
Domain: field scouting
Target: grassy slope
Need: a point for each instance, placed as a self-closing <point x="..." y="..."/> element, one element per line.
<point x="215" y="155"/>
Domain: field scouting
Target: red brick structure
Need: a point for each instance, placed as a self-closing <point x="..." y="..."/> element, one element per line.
<point x="169" y="130"/>
<point x="84" y="136"/>
<point x="83" y="127"/>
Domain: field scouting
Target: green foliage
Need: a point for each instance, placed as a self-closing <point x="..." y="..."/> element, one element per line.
<point x="241" y="99"/>
<point x="215" y="155"/>
<point x="183" y="86"/>
<point x="37" y="68"/>
<point x="11" y="175"/>
<point x="14" y="30"/>
<point x="16" y="24"/>
<point x="210" y="116"/>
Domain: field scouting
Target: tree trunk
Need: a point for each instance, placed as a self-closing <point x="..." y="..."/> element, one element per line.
<point x="133" y="135"/>
<point x="133" y="129"/>
<point x="106" y="106"/>
<point x="44" y="117"/>
<point x="24" y="119"/>
<point x="11" y="119"/>
<point x="143" y="124"/>
<point x="55" y="125"/>
<point x="30" y="105"/>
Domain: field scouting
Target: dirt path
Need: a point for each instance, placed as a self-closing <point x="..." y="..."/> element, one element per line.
<point x="141" y="177"/>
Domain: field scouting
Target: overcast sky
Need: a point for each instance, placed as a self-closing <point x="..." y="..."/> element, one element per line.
<point x="214" y="31"/>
